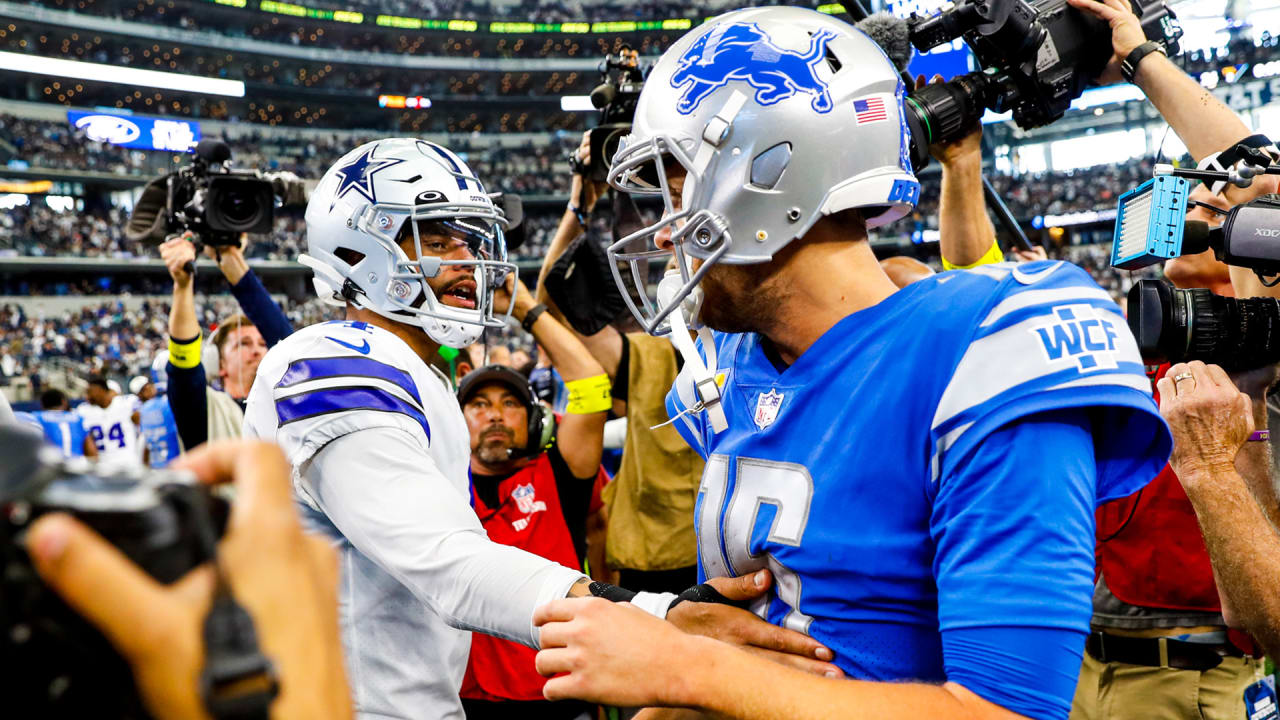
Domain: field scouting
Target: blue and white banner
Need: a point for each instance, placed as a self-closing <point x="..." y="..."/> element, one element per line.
<point x="133" y="131"/>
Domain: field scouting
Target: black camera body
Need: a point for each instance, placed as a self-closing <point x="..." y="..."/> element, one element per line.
<point x="1037" y="56"/>
<point x="621" y="80"/>
<point x="57" y="664"/>
<point x="207" y="198"/>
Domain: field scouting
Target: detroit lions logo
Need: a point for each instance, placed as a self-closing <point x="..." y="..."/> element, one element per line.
<point x="743" y="52"/>
<point x="1081" y="335"/>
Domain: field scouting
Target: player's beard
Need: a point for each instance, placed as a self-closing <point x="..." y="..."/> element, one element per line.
<point x="739" y="298"/>
<point x="496" y="445"/>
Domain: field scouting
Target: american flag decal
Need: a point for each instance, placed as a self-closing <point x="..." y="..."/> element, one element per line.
<point x="869" y="110"/>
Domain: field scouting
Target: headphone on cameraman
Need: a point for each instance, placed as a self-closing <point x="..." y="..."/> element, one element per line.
<point x="541" y="421"/>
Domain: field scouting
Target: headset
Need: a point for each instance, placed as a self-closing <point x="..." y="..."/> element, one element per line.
<point x="542" y="422"/>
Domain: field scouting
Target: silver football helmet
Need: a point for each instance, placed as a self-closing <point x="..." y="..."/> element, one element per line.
<point x="360" y="208"/>
<point x="778" y="116"/>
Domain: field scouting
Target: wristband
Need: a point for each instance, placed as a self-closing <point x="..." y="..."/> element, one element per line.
<point x="581" y="216"/>
<point x="992" y="256"/>
<point x="1129" y="66"/>
<point x="656" y="604"/>
<point x="589" y="395"/>
<point x="532" y="316"/>
<point x="184" y="354"/>
<point x="1260" y="436"/>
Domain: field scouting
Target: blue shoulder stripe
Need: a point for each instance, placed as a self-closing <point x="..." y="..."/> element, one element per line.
<point x="301" y="371"/>
<point x="342" y="399"/>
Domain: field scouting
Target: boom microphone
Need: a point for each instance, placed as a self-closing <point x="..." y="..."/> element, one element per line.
<point x="892" y="34"/>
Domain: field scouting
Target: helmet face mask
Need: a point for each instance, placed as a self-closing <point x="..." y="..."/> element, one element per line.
<point x="779" y="116"/>
<point x="354" y="239"/>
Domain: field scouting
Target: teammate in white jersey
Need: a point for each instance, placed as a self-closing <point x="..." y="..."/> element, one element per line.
<point x="402" y="234"/>
<point x="111" y="420"/>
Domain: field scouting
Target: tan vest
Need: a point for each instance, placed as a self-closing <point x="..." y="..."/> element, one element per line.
<point x="651" y="500"/>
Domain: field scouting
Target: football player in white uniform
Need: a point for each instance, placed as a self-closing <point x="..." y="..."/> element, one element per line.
<point x="111" y="420"/>
<point x="405" y="237"/>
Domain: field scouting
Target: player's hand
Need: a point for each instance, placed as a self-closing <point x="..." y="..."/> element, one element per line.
<point x="968" y="147"/>
<point x="593" y="190"/>
<point x="1209" y="417"/>
<point x="176" y="252"/>
<point x="613" y="653"/>
<point x="287" y="581"/>
<point x="1037" y="252"/>
<point x="742" y="627"/>
<point x="523" y="298"/>
<point x="1126" y="32"/>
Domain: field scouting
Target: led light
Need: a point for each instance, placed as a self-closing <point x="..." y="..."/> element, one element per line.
<point x="576" y="103"/>
<point x="35" y="64"/>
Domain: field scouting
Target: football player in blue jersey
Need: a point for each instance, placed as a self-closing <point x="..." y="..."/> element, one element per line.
<point x="62" y="428"/>
<point x="918" y="468"/>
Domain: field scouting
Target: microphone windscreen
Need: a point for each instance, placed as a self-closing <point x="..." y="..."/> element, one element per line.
<point x="892" y="35"/>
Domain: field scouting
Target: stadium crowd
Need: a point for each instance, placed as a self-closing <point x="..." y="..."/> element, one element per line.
<point x="444" y="511"/>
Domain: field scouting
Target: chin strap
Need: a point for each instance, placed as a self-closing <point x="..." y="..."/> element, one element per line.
<point x="704" y="372"/>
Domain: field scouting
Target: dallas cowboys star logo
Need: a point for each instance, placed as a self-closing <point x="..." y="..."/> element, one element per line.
<point x="358" y="175"/>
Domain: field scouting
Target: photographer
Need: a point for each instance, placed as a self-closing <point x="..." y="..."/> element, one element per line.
<point x="1160" y="640"/>
<point x="284" y="579"/>
<point x="650" y="538"/>
<point x="200" y="412"/>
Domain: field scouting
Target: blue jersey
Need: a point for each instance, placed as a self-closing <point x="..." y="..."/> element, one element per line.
<point x="922" y="479"/>
<point x="63" y="430"/>
<point x="159" y="431"/>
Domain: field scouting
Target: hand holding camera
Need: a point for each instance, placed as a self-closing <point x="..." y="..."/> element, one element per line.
<point x="1126" y="32"/>
<point x="139" y="559"/>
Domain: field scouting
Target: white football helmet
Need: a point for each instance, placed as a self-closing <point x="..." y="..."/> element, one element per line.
<point x="779" y="116"/>
<point x="359" y="209"/>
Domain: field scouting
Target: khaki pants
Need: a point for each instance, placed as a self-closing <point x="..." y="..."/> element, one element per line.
<point x="1116" y="691"/>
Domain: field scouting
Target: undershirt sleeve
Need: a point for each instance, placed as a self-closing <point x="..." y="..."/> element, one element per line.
<point x="420" y="528"/>
<point x="1014" y="528"/>
<point x="187" y="400"/>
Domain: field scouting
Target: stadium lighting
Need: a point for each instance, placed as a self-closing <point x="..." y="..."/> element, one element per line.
<point x="576" y="103"/>
<point x="21" y="62"/>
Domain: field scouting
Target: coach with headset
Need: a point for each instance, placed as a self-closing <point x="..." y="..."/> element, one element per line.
<point x="533" y="481"/>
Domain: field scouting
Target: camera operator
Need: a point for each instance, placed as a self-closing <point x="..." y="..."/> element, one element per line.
<point x="1212" y="423"/>
<point x="530" y="494"/>
<point x="650" y="538"/>
<point x="285" y="579"/>
<point x="200" y="412"/>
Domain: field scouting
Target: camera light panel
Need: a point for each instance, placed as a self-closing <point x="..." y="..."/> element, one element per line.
<point x="1150" y="223"/>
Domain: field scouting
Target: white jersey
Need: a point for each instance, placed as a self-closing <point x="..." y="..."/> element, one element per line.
<point x="114" y="433"/>
<point x="380" y="453"/>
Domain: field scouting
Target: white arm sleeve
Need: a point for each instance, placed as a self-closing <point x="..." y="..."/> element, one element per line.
<point x="389" y="498"/>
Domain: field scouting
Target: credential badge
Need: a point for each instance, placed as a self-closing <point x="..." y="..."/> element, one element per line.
<point x="767" y="408"/>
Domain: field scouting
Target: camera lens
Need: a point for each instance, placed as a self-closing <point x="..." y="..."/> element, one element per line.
<point x="239" y="208"/>
<point x="1181" y="325"/>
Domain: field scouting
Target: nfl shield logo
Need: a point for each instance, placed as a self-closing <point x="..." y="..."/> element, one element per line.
<point x="767" y="408"/>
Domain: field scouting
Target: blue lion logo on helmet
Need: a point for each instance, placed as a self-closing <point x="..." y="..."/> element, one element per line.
<point x="743" y="52"/>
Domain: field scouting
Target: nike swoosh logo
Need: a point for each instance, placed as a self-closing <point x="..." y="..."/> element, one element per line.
<point x="1031" y="278"/>
<point x="362" y="349"/>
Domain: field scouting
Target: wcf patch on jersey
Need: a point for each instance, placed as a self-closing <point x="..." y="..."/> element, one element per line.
<point x="1079" y="334"/>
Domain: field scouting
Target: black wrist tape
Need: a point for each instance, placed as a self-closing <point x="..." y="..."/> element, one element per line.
<point x="609" y="592"/>
<point x="703" y="593"/>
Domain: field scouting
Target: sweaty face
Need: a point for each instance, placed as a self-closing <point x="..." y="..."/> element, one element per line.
<point x="454" y="285"/>
<point x="241" y="354"/>
<point x="498" y="423"/>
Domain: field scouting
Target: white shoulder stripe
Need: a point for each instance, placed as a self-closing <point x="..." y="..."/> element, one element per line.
<point x="1031" y="298"/>
<point x="336" y="382"/>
